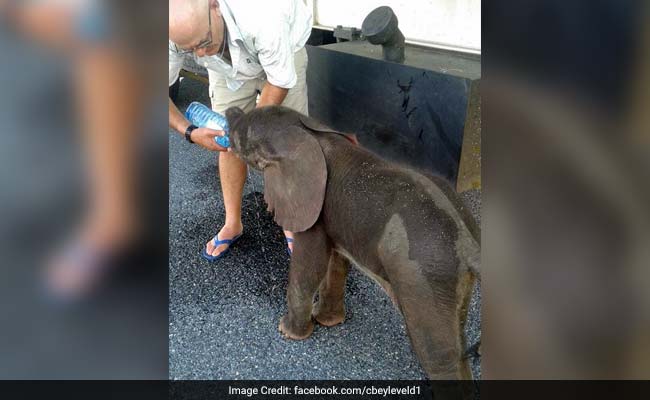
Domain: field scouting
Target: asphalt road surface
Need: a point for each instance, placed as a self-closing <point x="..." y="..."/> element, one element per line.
<point x="223" y="316"/>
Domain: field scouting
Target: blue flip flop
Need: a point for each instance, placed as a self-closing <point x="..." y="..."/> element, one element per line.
<point x="289" y="240"/>
<point x="215" y="243"/>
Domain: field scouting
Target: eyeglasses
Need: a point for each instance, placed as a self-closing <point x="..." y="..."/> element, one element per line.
<point x="204" y="43"/>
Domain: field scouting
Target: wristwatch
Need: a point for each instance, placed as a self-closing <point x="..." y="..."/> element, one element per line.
<point x="188" y="132"/>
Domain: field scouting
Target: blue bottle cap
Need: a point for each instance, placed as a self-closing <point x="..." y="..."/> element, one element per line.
<point x="222" y="141"/>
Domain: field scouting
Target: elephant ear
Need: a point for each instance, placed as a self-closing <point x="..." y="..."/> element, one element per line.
<point x="295" y="179"/>
<point x="314" y="125"/>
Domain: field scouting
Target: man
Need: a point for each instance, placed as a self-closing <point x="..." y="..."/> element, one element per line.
<point x="248" y="47"/>
<point x="109" y="96"/>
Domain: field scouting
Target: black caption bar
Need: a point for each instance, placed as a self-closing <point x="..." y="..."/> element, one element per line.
<point x="244" y="390"/>
<point x="224" y="390"/>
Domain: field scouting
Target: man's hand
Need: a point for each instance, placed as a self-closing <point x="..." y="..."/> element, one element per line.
<point x="205" y="137"/>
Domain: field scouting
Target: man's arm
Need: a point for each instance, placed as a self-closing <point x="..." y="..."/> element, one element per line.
<point x="272" y="95"/>
<point x="201" y="136"/>
<point x="176" y="120"/>
<point x="275" y="53"/>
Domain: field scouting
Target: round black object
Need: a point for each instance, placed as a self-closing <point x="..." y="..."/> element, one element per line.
<point x="379" y="25"/>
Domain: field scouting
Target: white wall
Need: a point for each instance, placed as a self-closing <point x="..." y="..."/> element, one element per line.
<point x="454" y="24"/>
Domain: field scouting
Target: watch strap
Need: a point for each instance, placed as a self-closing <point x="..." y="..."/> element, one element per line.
<point x="188" y="132"/>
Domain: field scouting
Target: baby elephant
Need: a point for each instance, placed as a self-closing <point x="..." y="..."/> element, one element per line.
<point x="407" y="231"/>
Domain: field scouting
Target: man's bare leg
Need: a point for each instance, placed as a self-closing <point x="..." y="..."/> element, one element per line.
<point x="110" y="108"/>
<point x="109" y="100"/>
<point x="232" y="172"/>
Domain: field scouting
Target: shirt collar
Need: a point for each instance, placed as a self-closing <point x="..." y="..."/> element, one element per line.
<point x="231" y="24"/>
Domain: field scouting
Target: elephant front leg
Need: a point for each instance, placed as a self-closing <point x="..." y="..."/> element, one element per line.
<point x="330" y="308"/>
<point x="307" y="270"/>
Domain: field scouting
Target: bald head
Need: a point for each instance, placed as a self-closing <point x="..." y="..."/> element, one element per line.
<point x="188" y="21"/>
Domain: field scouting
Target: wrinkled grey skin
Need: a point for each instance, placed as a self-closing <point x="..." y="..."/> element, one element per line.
<point x="407" y="231"/>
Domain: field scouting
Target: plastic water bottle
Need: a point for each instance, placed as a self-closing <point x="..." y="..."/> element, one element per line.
<point x="203" y="117"/>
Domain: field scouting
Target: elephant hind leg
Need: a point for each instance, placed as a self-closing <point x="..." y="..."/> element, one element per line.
<point x="330" y="308"/>
<point x="428" y="298"/>
<point x="434" y="327"/>
<point x="430" y="293"/>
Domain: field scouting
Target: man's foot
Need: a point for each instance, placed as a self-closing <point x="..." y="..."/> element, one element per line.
<point x="218" y="245"/>
<point x="289" y="238"/>
<point x="80" y="267"/>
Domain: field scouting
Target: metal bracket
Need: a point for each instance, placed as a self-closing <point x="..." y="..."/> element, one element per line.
<point x="344" y="33"/>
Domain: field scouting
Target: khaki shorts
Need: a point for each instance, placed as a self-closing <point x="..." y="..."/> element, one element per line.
<point x="246" y="96"/>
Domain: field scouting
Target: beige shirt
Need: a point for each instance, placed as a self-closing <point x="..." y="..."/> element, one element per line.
<point x="262" y="38"/>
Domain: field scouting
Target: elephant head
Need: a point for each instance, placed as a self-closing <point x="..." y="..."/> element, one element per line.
<point x="276" y="141"/>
